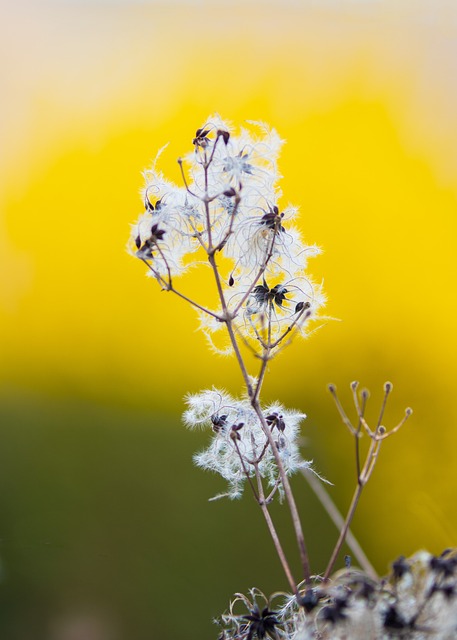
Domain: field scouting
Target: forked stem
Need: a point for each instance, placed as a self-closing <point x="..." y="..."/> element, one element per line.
<point x="376" y="436"/>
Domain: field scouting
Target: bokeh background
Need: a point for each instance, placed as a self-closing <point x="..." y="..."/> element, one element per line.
<point x="105" y="528"/>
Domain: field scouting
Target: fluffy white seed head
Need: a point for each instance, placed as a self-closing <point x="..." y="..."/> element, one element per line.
<point x="228" y="202"/>
<point x="239" y="442"/>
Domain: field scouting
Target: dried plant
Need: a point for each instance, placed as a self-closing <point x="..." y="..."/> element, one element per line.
<point x="226" y="217"/>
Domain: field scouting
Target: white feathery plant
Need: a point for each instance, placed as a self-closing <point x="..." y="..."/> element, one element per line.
<point x="227" y="210"/>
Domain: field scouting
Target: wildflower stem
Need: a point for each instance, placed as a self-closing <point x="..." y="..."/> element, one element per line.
<point x="341" y="411"/>
<point x="257" y="408"/>
<point x="229" y="324"/>
<point x="344" y="530"/>
<point x="195" y="304"/>
<point x="184" y="179"/>
<point x="338" y="520"/>
<point x="361" y="412"/>
<point x="263" y="370"/>
<point x="363" y="475"/>
<point x="274" y="535"/>
<point x="362" y="480"/>
<point x="288" y="493"/>
<point x="291" y="327"/>
<point x="168" y="286"/>
<point x="269" y="497"/>
<point x="245" y="470"/>
<point x="387" y="390"/>
<point x="258" y="275"/>
<point x="227" y="235"/>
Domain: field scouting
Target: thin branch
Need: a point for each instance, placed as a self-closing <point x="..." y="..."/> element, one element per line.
<point x="259" y="274"/>
<point x="262" y="372"/>
<point x="338" y="520"/>
<point x="169" y="287"/>
<point x="288" y="494"/>
<point x="344" y="530"/>
<point x="408" y="413"/>
<point x="387" y="390"/>
<point x="361" y="413"/>
<point x="256" y="406"/>
<point x="341" y="411"/>
<point x="274" y="535"/>
<point x="228" y="319"/>
<point x="228" y="233"/>
<point x="245" y="470"/>
<point x="376" y="438"/>
<point x="185" y="180"/>
<point x="269" y="497"/>
<point x="291" y="327"/>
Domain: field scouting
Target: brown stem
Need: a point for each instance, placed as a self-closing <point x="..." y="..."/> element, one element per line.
<point x="196" y="305"/>
<point x="245" y="470"/>
<point x="362" y="480"/>
<point x="230" y="227"/>
<point x="290" y="328"/>
<point x="338" y="520"/>
<point x="256" y="406"/>
<point x="261" y="377"/>
<point x="287" y="492"/>
<point x="274" y="535"/>
<point x="185" y="180"/>
<point x="228" y="318"/>
<point x="169" y="287"/>
<point x="261" y="271"/>
<point x="344" y="530"/>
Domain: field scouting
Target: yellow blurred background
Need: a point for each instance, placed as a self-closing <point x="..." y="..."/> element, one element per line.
<point x="95" y="359"/>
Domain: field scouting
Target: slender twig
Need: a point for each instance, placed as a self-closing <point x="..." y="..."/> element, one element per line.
<point x="273" y="533"/>
<point x="256" y="406"/>
<point x="260" y="272"/>
<point x="269" y="497"/>
<point x="262" y="372"/>
<point x="346" y="421"/>
<point x="227" y="317"/>
<point x="169" y="287"/>
<point x="387" y="434"/>
<point x="338" y="520"/>
<point x="228" y="233"/>
<point x="387" y="391"/>
<point x="288" y="494"/>
<point x="185" y="180"/>
<point x="291" y="327"/>
<point x="362" y="479"/>
<point x="357" y="435"/>
<point x="245" y="469"/>
<point x="376" y="438"/>
<point x="344" y="530"/>
<point x="213" y="151"/>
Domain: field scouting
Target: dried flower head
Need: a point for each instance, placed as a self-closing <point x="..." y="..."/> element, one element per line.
<point x="228" y="206"/>
<point x="421" y="604"/>
<point x="239" y="447"/>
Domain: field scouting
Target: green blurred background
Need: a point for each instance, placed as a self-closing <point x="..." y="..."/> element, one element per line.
<point x="105" y="528"/>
